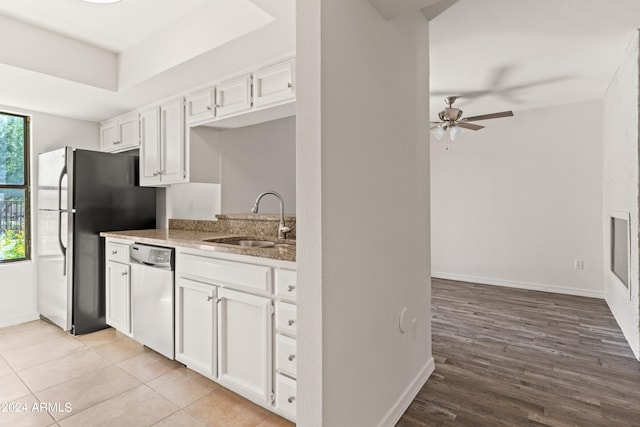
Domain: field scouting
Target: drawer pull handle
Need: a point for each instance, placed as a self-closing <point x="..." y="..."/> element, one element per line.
<point x="291" y="322"/>
<point x="291" y="399"/>
<point x="289" y="85"/>
<point x="209" y="298"/>
<point x="291" y="357"/>
<point x="290" y="288"/>
<point x="124" y="273"/>
<point x="114" y="252"/>
<point x="209" y="107"/>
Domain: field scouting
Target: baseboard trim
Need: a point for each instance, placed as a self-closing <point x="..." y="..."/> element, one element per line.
<point x="410" y="393"/>
<point x="17" y="320"/>
<point x="519" y="285"/>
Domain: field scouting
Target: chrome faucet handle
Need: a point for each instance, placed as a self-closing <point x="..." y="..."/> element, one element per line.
<point x="282" y="231"/>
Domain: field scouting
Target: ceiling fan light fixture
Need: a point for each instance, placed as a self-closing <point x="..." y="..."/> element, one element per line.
<point x="438" y="133"/>
<point x="455" y="132"/>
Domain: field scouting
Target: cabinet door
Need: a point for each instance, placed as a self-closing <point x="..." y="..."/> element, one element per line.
<point x="273" y="84"/>
<point x="200" y="106"/>
<point x="172" y="168"/>
<point x="109" y="135"/>
<point x="150" y="146"/>
<point x="244" y="343"/>
<point x="118" y="296"/>
<point x="233" y="96"/>
<point x="194" y="319"/>
<point x="129" y="131"/>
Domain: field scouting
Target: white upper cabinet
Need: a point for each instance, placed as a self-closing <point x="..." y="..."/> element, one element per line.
<point x="274" y="84"/>
<point x="120" y="134"/>
<point x="150" y="146"/>
<point x="162" y="151"/>
<point x="201" y="106"/>
<point x="233" y="96"/>
<point x="172" y="142"/>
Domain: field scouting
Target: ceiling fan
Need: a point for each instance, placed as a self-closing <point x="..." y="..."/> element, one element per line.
<point x="451" y="119"/>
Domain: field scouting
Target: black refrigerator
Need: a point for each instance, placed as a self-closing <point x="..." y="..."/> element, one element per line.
<point x="80" y="194"/>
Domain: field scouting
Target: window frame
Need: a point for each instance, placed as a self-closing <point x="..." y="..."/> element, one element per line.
<point x="25" y="186"/>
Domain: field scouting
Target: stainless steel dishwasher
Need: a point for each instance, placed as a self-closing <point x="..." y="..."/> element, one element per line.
<point x="152" y="282"/>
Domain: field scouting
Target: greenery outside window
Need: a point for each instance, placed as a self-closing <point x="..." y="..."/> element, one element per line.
<point x="15" y="218"/>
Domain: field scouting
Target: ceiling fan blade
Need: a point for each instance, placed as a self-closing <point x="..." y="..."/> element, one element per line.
<point x="471" y="126"/>
<point x="433" y="127"/>
<point x="489" y="116"/>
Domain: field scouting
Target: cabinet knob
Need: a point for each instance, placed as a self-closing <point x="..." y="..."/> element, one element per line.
<point x="114" y="252"/>
<point x="156" y="173"/>
<point x="289" y="85"/>
<point x="209" y="298"/>
<point x="116" y="142"/>
<point x="290" y="399"/>
<point x="218" y="105"/>
<point x="124" y="273"/>
<point x="209" y="107"/>
<point x="291" y="357"/>
<point x="290" y="288"/>
<point x="291" y="322"/>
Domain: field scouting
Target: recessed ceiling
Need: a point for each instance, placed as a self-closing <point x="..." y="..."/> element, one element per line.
<point x="523" y="54"/>
<point x="115" y="27"/>
<point x="95" y="61"/>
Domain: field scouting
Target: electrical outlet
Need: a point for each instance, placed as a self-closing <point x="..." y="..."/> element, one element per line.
<point x="578" y="264"/>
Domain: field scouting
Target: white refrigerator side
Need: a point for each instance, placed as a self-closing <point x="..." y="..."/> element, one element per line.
<point x="54" y="274"/>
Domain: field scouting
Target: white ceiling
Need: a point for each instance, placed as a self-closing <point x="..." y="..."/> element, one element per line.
<point x="95" y="61"/>
<point x="502" y="54"/>
<point x="524" y="54"/>
<point x="115" y="27"/>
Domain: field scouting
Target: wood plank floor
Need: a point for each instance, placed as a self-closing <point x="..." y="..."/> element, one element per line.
<point x="511" y="357"/>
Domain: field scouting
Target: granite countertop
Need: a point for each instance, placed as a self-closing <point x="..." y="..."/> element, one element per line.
<point x="195" y="239"/>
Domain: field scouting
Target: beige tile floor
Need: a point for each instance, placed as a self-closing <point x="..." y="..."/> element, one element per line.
<point x="50" y="378"/>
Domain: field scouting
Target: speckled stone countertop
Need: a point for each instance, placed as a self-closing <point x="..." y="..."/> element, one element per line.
<point x="193" y="233"/>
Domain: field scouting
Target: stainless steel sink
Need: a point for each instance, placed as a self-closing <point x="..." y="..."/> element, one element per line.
<point x="252" y="242"/>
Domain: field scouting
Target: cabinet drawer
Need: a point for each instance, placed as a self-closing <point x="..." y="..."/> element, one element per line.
<point x="118" y="252"/>
<point x="226" y="273"/>
<point x="286" y="355"/>
<point x="286" y="284"/>
<point x="286" y="397"/>
<point x="286" y="318"/>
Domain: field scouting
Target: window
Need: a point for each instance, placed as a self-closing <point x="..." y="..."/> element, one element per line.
<point x="620" y="249"/>
<point x="14" y="188"/>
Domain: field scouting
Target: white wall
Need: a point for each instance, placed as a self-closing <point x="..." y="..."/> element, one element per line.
<point x="363" y="212"/>
<point x="18" y="281"/>
<point x="255" y="159"/>
<point x="620" y="187"/>
<point x="516" y="203"/>
<point x="247" y="161"/>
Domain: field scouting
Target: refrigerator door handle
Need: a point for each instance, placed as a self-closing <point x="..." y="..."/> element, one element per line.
<point x="60" y="212"/>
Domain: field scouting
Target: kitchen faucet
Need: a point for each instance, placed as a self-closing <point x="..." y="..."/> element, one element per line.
<point x="282" y="229"/>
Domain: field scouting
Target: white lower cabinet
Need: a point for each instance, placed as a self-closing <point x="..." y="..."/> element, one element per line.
<point x="118" y="297"/>
<point x="195" y="325"/>
<point x="117" y="285"/>
<point x="225" y="329"/>
<point x="286" y="398"/>
<point x="244" y="342"/>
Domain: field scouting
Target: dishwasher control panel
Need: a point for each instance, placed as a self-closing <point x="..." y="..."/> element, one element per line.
<point x="155" y="256"/>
